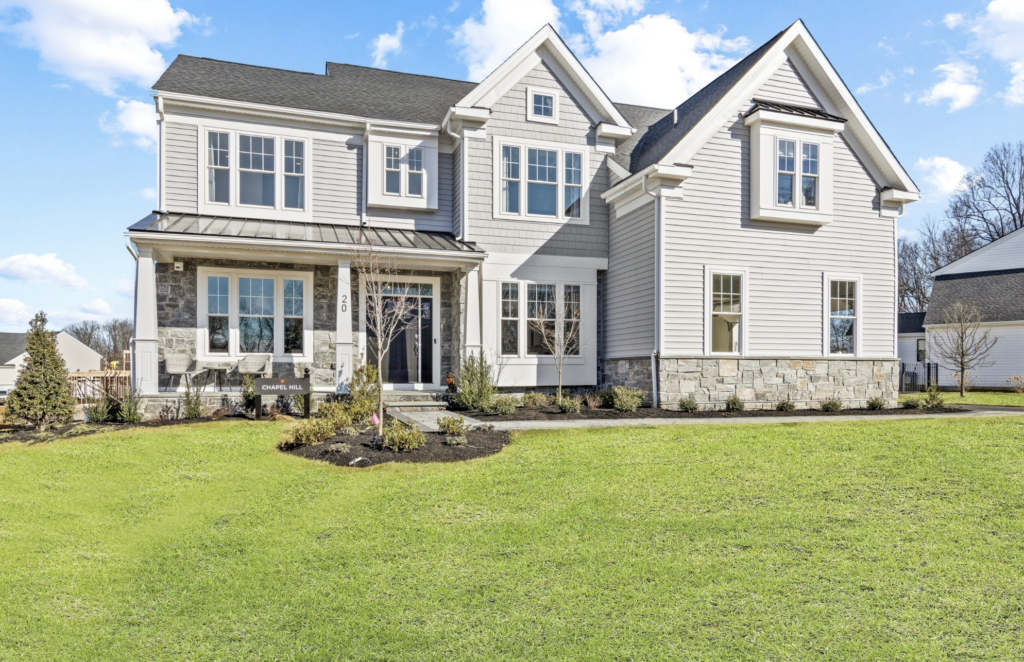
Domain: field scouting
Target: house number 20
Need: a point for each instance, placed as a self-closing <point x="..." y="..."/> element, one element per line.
<point x="343" y="306"/>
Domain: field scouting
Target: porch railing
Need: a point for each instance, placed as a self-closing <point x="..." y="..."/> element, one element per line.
<point x="94" y="384"/>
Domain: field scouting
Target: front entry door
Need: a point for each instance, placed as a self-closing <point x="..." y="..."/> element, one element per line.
<point x="409" y="358"/>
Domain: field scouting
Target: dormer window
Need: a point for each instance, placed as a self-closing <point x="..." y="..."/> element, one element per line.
<point x="542" y="105"/>
<point x="787" y="172"/>
<point x="416" y="172"/>
<point x="809" y="175"/>
<point x="402" y="172"/>
<point x="393" y="170"/>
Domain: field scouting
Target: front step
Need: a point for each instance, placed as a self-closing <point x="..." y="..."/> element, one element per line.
<point x="398" y="400"/>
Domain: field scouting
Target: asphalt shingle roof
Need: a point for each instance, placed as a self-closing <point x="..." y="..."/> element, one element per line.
<point x="12" y="345"/>
<point x="999" y="295"/>
<point x="911" y="322"/>
<point x="640" y="118"/>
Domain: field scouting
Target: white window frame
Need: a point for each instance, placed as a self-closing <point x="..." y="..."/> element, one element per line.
<point x="422" y="172"/>
<point x="826" y="309"/>
<point x="235" y="208"/>
<point x="502" y="178"/>
<point x="208" y="168"/>
<point x="385" y="170"/>
<point x="524" y="145"/>
<point x="234" y="352"/>
<point x="709" y="272"/>
<point x="524" y="323"/>
<point x="555" y="103"/>
<point x="799" y="199"/>
<point x="502" y="319"/>
<point x="798" y="172"/>
<point x="778" y="171"/>
<point x="285" y="175"/>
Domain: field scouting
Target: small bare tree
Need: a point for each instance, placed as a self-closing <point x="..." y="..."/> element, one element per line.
<point x="559" y="329"/>
<point x="388" y="311"/>
<point x="960" y="344"/>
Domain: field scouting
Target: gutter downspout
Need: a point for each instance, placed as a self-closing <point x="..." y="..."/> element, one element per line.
<point x="657" y="294"/>
<point x="896" y="265"/>
<point x="463" y="159"/>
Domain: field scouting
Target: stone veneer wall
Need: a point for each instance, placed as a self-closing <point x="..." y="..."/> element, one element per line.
<point x="633" y="372"/>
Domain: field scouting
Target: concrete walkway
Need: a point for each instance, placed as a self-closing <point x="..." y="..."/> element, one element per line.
<point x="427" y="420"/>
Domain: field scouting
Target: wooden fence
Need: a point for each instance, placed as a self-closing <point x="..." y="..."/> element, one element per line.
<point x="94" y="384"/>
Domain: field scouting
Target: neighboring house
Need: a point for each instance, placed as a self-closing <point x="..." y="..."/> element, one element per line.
<point x="77" y="355"/>
<point x="992" y="279"/>
<point x="911" y="345"/>
<point x="742" y="243"/>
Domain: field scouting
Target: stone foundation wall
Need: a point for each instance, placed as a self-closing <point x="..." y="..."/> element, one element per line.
<point x="168" y="406"/>
<point x="633" y="373"/>
<point x="761" y="383"/>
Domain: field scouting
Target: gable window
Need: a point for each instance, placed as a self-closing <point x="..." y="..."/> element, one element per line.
<point x="842" y="316"/>
<point x="256" y="166"/>
<point x="256" y="315"/>
<point x="543" y="105"/>
<point x="217" y="314"/>
<point x="921" y="356"/>
<point x="294" y="175"/>
<point x="786" y="172"/>
<point x="573" y="184"/>
<point x="510" y="179"/>
<point x="809" y="175"/>
<point x="393" y="170"/>
<point x="726" y="312"/>
<point x="293" y="316"/>
<point x="218" y="167"/>
<point x="415" y="159"/>
<point x="542" y="182"/>
<point x="540" y="317"/>
<point x="510" y="319"/>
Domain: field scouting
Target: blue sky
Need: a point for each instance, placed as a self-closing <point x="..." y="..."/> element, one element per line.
<point x="943" y="80"/>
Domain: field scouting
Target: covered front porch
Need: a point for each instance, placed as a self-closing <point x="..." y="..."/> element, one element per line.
<point x="220" y="298"/>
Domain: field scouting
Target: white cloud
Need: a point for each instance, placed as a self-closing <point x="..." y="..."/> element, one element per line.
<point x="943" y="173"/>
<point x="48" y="268"/>
<point x="149" y="193"/>
<point x="352" y="36"/>
<point x="883" y="81"/>
<point x="13" y="313"/>
<point x="385" y="44"/>
<point x="953" y="20"/>
<point x="1000" y="33"/>
<point x="136" y="119"/>
<point x="100" y="43"/>
<point x="908" y="71"/>
<point x="657" y="61"/>
<point x="959" y="86"/>
<point x="126" y="288"/>
<point x="595" y="14"/>
<point x="505" y="26"/>
<point x="452" y="7"/>
<point x="97" y="307"/>
<point x="887" y="48"/>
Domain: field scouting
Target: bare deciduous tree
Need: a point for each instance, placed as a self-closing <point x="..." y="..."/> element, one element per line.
<point x="388" y="311"/>
<point x="559" y="330"/>
<point x="960" y="344"/>
<point x="915" y="279"/>
<point x="990" y="199"/>
<point x="89" y="333"/>
<point x="110" y="338"/>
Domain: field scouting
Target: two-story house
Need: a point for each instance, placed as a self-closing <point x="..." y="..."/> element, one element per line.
<point x="741" y="243"/>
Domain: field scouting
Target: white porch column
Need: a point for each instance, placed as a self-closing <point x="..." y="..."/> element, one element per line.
<point x="145" y="344"/>
<point x="474" y="341"/>
<point x="343" y="339"/>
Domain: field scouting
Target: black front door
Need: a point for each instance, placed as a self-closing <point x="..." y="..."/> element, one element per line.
<point x="409" y="358"/>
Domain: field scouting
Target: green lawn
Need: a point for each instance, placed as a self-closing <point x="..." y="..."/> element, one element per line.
<point x="895" y="540"/>
<point x="977" y="398"/>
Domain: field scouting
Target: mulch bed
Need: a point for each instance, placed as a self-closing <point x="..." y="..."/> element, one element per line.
<point x="361" y="453"/>
<point x="555" y="414"/>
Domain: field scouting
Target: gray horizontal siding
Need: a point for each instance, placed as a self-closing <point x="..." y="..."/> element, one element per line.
<point x="337" y="177"/>
<point x="786" y="86"/>
<point x="181" y="167"/>
<point x="629" y="308"/>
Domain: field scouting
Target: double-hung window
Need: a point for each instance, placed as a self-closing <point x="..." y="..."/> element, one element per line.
<point x="809" y="175"/>
<point x="842" y="317"/>
<point x="572" y="326"/>
<point x="217" y="314"/>
<point x="541" y="315"/>
<point x="542" y="182"/>
<point x="726" y="312"/>
<point x="921" y="353"/>
<point x="786" y="172"/>
<point x="294" y="174"/>
<point x="218" y="168"/>
<point x="573" y="184"/>
<point x="393" y="170"/>
<point x="256" y="170"/>
<point x="415" y="159"/>
<point x="256" y="315"/>
<point x="294" y="311"/>
<point x="510" y="319"/>
<point x="509" y="179"/>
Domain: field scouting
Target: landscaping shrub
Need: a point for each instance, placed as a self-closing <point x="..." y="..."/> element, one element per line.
<point x="42" y="393"/>
<point x="400" y="437"/>
<point x="933" y="398"/>
<point x="454" y="429"/>
<point x="592" y="399"/>
<point x="734" y="403"/>
<point x="832" y="404"/>
<point x="100" y="410"/>
<point x="130" y="412"/>
<point x="535" y="400"/>
<point x="785" y="405"/>
<point x="311" y="431"/>
<point x="347" y="432"/>
<point x="340" y="447"/>
<point x="689" y="404"/>
<point x="569" y="404"/>
<point x="337" y="412"/>
<point x="248" y="393"/>
<point x="362" y="394"/>
<point x="1016" y="383"/>
<point x="192" y="401"/>
<point x="502" y="404"/>
<point x="607" y="397"/>
<point x="911" y="403"/>
<point x="876" y="403"/>
<point x="627" y="399"/>
<point x="476" y="383"/>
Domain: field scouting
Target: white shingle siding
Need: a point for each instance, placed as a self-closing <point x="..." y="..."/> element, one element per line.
<point x="337" y="173"/>
<point x="629" y="308"/>
<point x="181" y="168"/>
<point x="711" y="226"/>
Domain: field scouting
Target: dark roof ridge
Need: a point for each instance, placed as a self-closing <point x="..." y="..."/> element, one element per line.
<point x="980" y="274"/>
<point x="401" y="73"/>
<point x="246" y="64"/>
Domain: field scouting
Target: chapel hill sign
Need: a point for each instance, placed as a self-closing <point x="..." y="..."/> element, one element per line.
<point x="271" y="387"/>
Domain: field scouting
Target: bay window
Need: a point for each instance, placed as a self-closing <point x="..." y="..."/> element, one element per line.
<point x="842" y="316"/>
<point x="294" y="175"/>
<point x="415" y="159"/>
<point x="542" y="182"/>
<point x="554" y="188"/>
<point x="218" y="154"/>
<point x="726" y="312"/>
<point x="256" y="170"/>
<point x="510" y="319"/>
